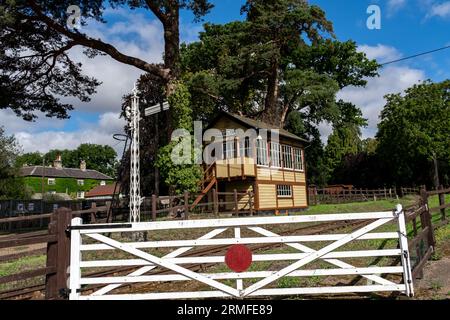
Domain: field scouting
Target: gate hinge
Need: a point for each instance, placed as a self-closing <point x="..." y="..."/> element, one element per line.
<point x="64" y="293"/>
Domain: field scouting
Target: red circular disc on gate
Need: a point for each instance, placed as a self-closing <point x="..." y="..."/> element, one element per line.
<point x="238" y="258"/>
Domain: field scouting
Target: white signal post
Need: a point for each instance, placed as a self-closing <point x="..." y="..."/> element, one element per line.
<point x="135" y="188"/>
<point x="135" y="180"/>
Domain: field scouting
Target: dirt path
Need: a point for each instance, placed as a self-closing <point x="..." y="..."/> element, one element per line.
<point x="435" y="283"/>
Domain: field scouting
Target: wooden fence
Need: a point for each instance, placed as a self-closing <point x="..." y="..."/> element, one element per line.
<point x="330" y="196"/>
<point x="181" y="206"/>
<point x="54" y="243"/>
<point x="422" y="243"/>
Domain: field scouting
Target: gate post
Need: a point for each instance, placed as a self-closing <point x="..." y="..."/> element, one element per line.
<point x="75" y="256"/>
<point x="405" y="258"/>
<point x="58" y="254"/>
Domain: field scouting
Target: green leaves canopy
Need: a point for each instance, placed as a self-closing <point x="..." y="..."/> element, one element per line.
<point x="415" y="126"/>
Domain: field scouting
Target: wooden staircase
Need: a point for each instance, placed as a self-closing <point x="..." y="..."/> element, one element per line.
<point x="207" y="183"/>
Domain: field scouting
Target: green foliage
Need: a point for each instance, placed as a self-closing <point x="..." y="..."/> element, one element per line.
<point x="11" y="186"/>
<point x="414" y="128"/>
<point x="281" y="62"/>
<point x="98" y="157"/>
<point x="62" y="185"/>
<point x="345" y="139"/>
<point x="180" y="177"/>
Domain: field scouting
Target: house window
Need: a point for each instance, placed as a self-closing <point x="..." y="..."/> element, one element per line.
<point x="55" y="206"/>
<point x="80" y="182"/>
<point x="80" y="195"/>
<point x="20" y="207"/>
<point x="31" y="206"/>
<point x="229" y="149"/>
<point x="52" y="192"/>
<point x="287" y="157"/>
<point x="261" y="152"/>
<point x="245" y="150"/>
<point x="284" y="191"/>
<point x="51" y="181"/>
<point x="275" y="154"/>
<point x="298" y="153"/>
<point x="103" y="183"/>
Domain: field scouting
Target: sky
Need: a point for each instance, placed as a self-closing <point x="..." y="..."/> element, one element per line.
<point x="407" y="27"/>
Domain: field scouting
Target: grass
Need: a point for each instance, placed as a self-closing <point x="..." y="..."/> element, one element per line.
<point x="368" y="206"/>
<point x="21" y="265"/>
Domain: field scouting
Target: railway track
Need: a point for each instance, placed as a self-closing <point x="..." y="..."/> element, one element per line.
<point x="31" y="292"/>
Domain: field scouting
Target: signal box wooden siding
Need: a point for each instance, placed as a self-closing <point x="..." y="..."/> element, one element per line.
<point x="274" y="171"/>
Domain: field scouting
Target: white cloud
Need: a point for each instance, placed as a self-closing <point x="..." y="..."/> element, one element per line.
<point x="32" y="137"/>
<point x="134" y="35"/>
<point x="395" y="5"/>
<point x="392" y="79"/>
<point x="380" y="52"/>
<point x="439" y="10"/>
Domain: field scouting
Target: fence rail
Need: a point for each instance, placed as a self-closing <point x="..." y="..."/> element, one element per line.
<point x="233" y="203"/>
<point x="55" y="243"/>
<point x="337" y="195"/>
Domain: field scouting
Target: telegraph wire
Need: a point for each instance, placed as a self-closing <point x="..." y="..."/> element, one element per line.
<point x="415" y="56"/>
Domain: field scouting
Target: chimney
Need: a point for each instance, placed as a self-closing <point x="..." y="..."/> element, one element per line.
<point x="83" y="165"/>
<point x="58" y="162"/>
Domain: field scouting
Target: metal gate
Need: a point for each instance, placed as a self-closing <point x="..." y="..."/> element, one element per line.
<point x="232" y="272"/>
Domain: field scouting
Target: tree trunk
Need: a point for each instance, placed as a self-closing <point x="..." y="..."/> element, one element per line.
<point x="172" y="45"/>
<point x="271" y="113"/>
<point x="436" y="172"/>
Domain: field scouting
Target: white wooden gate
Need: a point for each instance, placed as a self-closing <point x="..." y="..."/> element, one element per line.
<point x="249" y="283"/>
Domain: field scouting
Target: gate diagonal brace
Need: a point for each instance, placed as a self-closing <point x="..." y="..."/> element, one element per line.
<point x="144" y="270"/>
<point x="158" y="261"/>
<point x="336" y="262"/>
<point x="315" y="255"/>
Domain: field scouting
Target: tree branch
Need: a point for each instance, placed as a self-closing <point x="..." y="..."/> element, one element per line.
<point x="156" y="11"/>
<point x="100" y="45"/>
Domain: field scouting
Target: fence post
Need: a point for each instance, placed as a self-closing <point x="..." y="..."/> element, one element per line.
<point x="108" y="212"/>
<point x="154" y="207"/>
<point x="93" y="212"/>
<point x="186" y="205"/>
<point x="442" y="202"/>
<point x="215" y="202"/>
<point x="427" y="219"/>
<point x="236" y="208"/>
<point x="250" y="201"/>
<point x="385" y="194"/>
<point x="58" y="254"/>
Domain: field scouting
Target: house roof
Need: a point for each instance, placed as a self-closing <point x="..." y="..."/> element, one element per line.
<point x="101" y="191"/>
<point x="256" y="124"/>
<point x="52" y="172"/>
